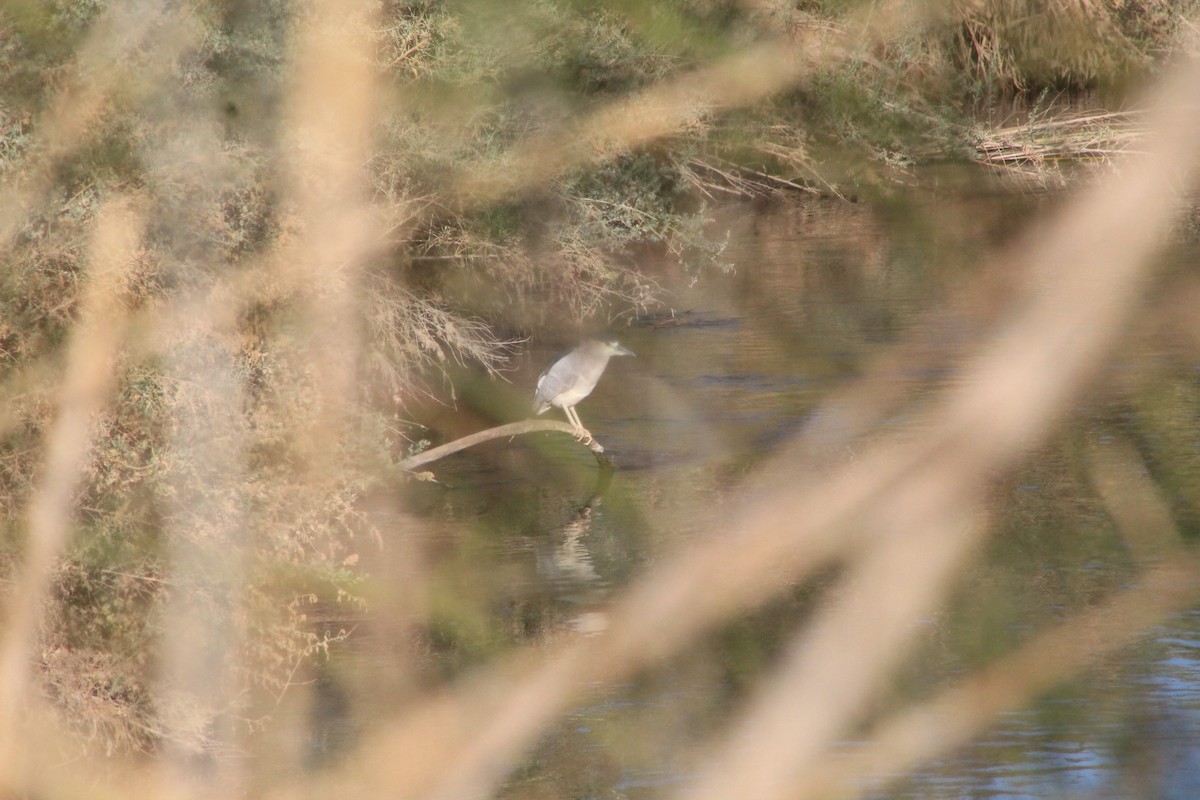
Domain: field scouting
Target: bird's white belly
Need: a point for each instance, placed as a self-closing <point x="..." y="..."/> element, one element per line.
<point x="570" y="397"/>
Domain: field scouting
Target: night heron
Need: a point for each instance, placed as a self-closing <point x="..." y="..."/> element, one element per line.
<point x="572" y="378"/>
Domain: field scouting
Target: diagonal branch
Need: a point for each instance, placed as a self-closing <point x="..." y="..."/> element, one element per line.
<point x="499" y="432"/>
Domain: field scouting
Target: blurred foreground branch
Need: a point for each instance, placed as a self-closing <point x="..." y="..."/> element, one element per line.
<point x="87" y="384"/>
<point x="956" y="715"/>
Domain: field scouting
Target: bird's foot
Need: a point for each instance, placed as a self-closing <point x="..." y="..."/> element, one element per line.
<point x="583" y="435"/>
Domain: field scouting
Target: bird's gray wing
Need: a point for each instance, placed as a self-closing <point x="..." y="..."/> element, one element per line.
<point x="554" y="381"/>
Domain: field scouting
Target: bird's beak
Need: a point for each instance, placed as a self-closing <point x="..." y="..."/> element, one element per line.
<point x="622" y="351"/>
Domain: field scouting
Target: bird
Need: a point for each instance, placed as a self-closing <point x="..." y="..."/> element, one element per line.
<point x="572" y="378"/>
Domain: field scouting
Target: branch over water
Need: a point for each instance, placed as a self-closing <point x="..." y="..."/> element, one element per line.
<point x="499" y="432"/>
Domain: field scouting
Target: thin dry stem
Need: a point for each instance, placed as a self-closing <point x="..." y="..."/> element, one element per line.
<point x="87" y="384"/>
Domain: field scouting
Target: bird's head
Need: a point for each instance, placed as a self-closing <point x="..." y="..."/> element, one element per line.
<point x="613" y="348"/>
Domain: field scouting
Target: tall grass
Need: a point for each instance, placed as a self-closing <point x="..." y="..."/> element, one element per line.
<point x="223" y="281"/>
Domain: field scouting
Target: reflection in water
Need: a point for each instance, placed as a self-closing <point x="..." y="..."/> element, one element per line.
<point x="567" y="563"/>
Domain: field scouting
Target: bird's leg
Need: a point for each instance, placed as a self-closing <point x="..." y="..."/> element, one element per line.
<point x="581" y="433"/>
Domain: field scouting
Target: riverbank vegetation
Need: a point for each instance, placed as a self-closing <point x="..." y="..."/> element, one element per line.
<point x="244" y="242"/>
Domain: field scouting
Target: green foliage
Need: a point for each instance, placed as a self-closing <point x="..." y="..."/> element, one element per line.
<point x="629" y="199"/>
<point x="1012" y="46"/>
<point x="51" y="30"/>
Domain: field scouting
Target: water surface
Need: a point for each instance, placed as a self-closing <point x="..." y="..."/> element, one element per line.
<point x="531" y="542"/>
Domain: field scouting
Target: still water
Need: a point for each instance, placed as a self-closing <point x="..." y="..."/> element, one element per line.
<point x="530" y="542"/>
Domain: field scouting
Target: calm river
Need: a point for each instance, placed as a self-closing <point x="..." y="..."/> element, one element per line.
<point x="528" y="545"/>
